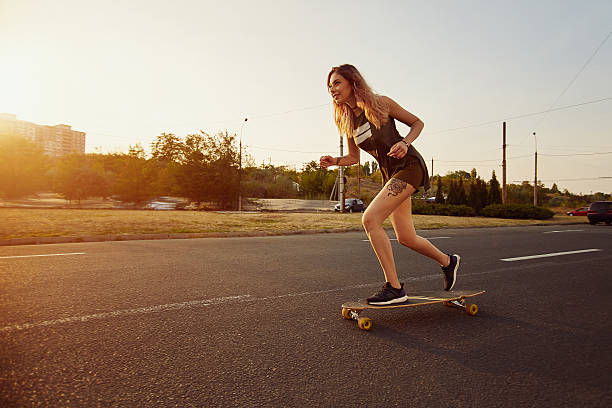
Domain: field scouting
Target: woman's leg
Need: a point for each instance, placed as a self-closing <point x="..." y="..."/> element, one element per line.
<point x="393" y="195"/>
<point x="401" y="218"/>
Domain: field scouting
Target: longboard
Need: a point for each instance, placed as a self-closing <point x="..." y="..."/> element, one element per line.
<point x="351" y="310"/>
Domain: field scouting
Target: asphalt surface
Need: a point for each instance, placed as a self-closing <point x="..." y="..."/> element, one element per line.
<point x="257" y="322"/>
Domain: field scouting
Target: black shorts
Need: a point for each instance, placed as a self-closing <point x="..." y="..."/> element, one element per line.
<point x="412" y="173"/>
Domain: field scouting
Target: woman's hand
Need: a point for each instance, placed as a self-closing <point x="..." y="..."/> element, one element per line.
<point x="326" y="161"/>
<point x="398" y="150"/>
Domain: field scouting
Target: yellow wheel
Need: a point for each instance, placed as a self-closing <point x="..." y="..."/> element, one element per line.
<point x="448" y="303"/>
<point x="471" y="309"/>
<point x="346" y="313"/>
<point x="364" y="323"/>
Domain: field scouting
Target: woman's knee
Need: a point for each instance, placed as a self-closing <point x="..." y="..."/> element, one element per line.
<point x="370" y="221"/>
<point x="407" y="240"/>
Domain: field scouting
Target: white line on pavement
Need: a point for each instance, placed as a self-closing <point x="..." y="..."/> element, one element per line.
<point x="553" y="232"/>
<point x="35" y="256"/>
<point x="522" y="258"/>
<point x="395" y="239"/>
<point x="125" y="312"/>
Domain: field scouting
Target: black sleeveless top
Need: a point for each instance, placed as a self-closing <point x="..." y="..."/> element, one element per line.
<point x="378" y="142"/>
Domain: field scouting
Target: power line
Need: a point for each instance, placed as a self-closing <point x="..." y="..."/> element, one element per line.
<point x="577" y="74"/>
<point x="282" y="150"/>
<point x="575" y="154"/>
<point x="520" y="116"/>
<point x="569" y="179"/>
<point x="480" y="161"/>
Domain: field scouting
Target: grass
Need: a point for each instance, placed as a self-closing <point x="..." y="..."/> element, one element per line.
<point x="23" y="223"/>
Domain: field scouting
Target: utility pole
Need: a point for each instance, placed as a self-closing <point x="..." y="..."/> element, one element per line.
<point x="432" y="173"/>
<point x="535" y="178"/>
<point x="240" y="169"/>
<point x="504" y="191"/>
<point x="341" y="178"/>
<point x="359" y="178"/>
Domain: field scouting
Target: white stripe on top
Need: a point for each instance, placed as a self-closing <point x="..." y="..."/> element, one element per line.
<point x="362" y="133"/>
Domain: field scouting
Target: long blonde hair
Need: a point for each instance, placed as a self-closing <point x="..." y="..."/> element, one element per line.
<point x="372" y="104"/>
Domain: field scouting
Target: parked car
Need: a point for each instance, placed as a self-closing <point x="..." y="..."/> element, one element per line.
<point x="351" y="205"/>
<point x="600" y="211"/>
<point x="166" y="203"/>
<point x="578" y="211"/>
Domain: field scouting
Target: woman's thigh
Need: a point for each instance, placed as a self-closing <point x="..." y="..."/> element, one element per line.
<point x="393" y="195"/>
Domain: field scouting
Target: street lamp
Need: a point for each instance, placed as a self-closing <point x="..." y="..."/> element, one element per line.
<point x="240" y="168"/>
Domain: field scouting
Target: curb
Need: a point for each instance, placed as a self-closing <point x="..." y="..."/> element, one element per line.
<point x="190" y="235"/>
<point x="141" y="237"/>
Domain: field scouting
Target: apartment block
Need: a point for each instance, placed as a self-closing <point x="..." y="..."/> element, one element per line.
<point x="56" y="141"/>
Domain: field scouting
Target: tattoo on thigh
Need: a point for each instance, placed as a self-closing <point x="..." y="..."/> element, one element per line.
<point x="396" y="186"/>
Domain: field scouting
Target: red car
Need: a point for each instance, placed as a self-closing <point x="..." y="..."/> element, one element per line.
<point x="578" y="211"/>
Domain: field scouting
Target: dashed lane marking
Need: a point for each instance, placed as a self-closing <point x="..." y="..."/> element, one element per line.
<point x="41" y="255"/>
<point x="523" y="258"/>
<point x="554" y="232"/>
<point x="395" y="239"/>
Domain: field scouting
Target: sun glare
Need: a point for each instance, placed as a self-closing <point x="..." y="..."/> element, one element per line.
<point x="16" y="95"/>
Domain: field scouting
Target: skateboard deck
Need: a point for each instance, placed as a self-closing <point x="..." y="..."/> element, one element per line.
<point x="351" y="310"/>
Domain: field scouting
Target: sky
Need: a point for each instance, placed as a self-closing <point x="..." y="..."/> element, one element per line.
<point x="124" y="72"/>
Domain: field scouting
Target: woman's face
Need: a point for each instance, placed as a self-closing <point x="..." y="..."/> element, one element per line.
<point x="340" y="89"/>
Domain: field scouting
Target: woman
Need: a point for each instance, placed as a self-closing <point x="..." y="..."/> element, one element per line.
<point x="368" y="121"/>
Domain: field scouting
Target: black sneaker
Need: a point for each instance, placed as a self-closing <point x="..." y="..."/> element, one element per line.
<point x="388" y="295"/>
<point x="450" y="272"/>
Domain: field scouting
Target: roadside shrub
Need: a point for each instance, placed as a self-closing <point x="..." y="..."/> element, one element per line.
<point x="522" y="211"/>
<point x="420" y="207"/>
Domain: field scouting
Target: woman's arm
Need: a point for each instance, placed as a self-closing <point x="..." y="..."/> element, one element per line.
<point x="407" y="118"/>
<point x="347" y="160"/>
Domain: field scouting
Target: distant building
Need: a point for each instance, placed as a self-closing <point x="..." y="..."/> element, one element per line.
<point x="56" y="141"/>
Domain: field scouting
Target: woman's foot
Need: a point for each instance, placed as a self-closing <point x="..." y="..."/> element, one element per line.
<point x="388" y="295"/>
<point x="450" y="272"/>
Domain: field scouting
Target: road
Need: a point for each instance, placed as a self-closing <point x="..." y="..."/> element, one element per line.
<point x="256" y="322"/>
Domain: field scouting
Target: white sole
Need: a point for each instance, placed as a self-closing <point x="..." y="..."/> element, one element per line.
<point x="390" y="302"/>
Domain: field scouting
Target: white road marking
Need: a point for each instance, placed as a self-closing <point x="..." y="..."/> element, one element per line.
<point x="522" y="258"/>
<point x="35" y="256"/>
<point x="395" y="239"/>
<point x="553" y="232"/>
<point x="125" y="312"/>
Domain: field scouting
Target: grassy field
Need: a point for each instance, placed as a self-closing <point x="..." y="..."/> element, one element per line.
<point x="21" y="223"/>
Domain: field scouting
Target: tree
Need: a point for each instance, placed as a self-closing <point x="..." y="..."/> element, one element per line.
<point x="439" y="195"/>
<point x="366" y="169"/>
<point x="80" y="177"/>
<point x="452" y="192"/>
<point x="210" y="169"/>
<point x="167" y="147"/>
<point x="473" y="174"/>
<point x="316" y="181"/>
<point x="478" y="194"/>
<point x="23" y="167"/>
<point x="135" y="179"/>
<point x="461" y="196"/>
<point x="494" y="196"/>
<point x="374" y="167"/>
<point x="554" y="189"/>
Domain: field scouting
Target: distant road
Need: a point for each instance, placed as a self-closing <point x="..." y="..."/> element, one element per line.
<point x="52" y="200"/>
<point x="256" y="322"/>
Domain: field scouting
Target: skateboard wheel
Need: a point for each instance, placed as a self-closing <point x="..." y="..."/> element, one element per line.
<point x="346" y="313"/>
<point x="448" y="303"/>
<point x="364" y="323"/>
<point x="471" y="309"/>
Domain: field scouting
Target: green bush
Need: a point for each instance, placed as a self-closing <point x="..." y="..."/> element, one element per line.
<point x="522" y="211"/>
<point x="420" y="207"/>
